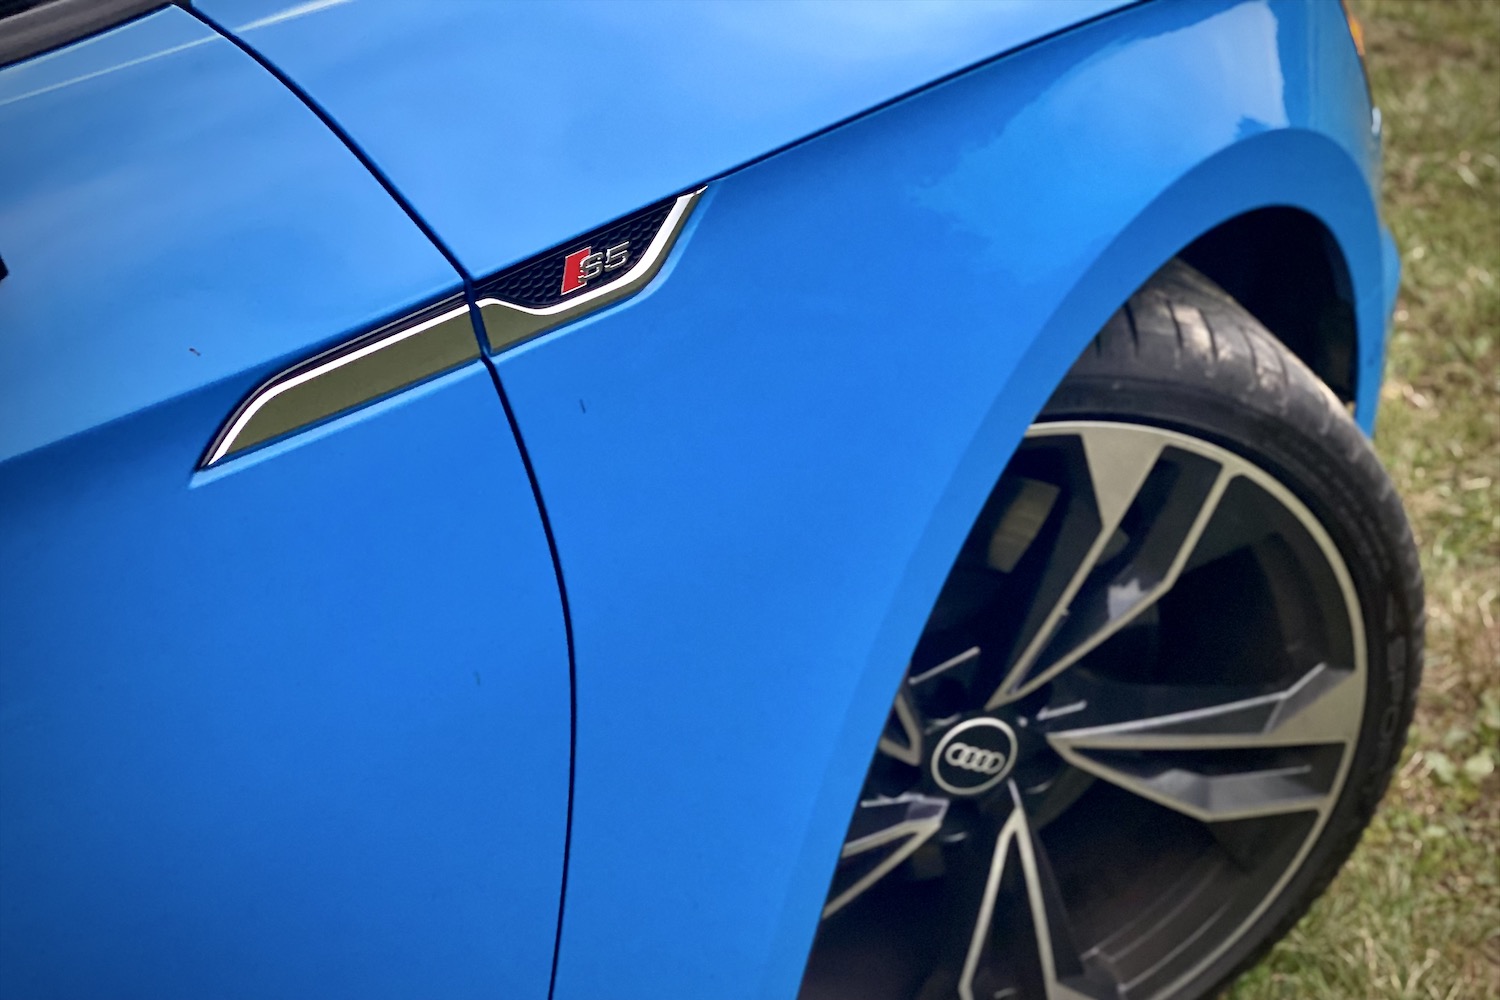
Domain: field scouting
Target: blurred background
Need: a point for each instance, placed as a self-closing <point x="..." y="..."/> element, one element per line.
<point x="1416" y="913"/>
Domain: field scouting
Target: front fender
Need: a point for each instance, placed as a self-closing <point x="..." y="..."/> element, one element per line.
<point x="1246" y="176"/>
<point x="759" y="471"/>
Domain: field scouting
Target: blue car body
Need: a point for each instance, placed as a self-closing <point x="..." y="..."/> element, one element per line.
<point x="557" y="670"/>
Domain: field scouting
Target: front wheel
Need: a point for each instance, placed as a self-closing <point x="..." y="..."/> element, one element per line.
<point x="1159" y="696"/>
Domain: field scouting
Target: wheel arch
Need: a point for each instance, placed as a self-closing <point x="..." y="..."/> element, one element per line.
<point x="1290" y="182"/>
<point x="1289" y="186"/>
<point x="1287" y="269"/>
<point x="1285" y="222"/>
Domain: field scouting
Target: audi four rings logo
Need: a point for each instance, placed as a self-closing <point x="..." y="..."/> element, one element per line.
<point x="974" y="758"/>
<point x="581" y="266"/>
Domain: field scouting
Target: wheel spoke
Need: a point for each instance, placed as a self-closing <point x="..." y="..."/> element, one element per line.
<point x="980" y="942"/>
<point x="1224" y="759"/>
<point x="884" y="833"/>
<point x="1020" y="863"/>
<point x="960" y="666"/>
<point x="902" y="739"/>
<point x="1151" y="505"/>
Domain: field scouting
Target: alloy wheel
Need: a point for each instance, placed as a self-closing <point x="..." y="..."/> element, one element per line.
<point x="1127" y="721"/>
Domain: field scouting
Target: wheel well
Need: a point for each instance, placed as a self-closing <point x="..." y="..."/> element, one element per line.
<point x="1284" y="266"/>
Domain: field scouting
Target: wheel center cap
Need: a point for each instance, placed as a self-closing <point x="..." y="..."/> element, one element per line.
<point x="974" y="756"/>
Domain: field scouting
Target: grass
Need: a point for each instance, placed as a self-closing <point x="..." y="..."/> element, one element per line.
<point x="1416" y="913"/>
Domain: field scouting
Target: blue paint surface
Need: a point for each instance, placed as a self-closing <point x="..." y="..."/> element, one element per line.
<point x="298" y="731"/>
<point x="171" y="217"/>
<point x="514" y="126"/>
<point x="298" y="728"/>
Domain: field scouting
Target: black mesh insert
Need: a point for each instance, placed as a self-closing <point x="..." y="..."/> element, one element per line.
<point x="537" y="282"/>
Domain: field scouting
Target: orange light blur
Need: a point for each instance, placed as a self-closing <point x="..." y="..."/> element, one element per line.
<point x="1356" y="31"/>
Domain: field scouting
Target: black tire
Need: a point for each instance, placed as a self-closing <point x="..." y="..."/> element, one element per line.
<point x="1183" y="355"/>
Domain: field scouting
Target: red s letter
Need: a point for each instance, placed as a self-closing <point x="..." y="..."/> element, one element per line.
<point x="573" y="276"/>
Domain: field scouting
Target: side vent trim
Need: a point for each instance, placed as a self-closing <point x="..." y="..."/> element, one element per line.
<point x="397" y="356"/>
<point x="509" y="323"/>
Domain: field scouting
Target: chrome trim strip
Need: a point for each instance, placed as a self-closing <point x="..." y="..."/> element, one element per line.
<point x="507" y="324"/>
<point x="346" y="377"/>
